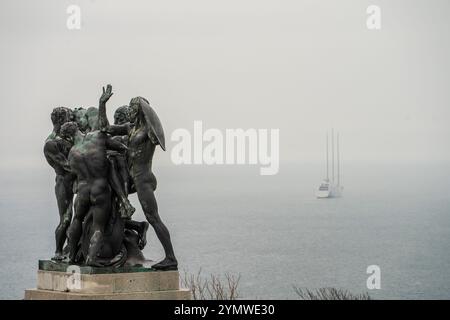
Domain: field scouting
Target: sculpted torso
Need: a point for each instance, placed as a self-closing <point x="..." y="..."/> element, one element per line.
<point x="144" y="132"/>
<point x="140" y="153"/>
<point x="92" y="149"/>
<point x="56" y="151"/>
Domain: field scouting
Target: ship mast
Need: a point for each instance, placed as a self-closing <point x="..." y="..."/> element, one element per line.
<point x="328" y="178"/>
<point x="338" y="170"/>
<point x="332" y="155"/>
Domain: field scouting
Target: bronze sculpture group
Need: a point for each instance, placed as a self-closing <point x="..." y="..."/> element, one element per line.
<point x="99" y="165"/>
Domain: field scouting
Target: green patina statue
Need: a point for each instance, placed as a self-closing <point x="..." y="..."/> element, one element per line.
<point x="102" y="164"/>
<point x="56" y="151"/>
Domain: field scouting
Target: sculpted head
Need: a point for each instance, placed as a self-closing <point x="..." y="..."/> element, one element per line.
<point x="92" y="118"/>
<point x="69" y="130"/>
<point x="135" y="107"/>
<point x="122" y="115"/>
<point x="61" y="115"/>
<point x="79" y="115"/>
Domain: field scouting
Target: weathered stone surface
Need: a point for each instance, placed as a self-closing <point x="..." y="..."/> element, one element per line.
<point x="37" y="294"/>
<point x="108" y="283"/>
<point x="95" y="283"/>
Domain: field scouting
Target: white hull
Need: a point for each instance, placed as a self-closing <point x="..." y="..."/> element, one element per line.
<point x="322" y="194"/>
<point x="332" y="192"/>
<point x="336" y="192"/>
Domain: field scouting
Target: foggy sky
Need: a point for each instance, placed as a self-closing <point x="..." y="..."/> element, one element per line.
<point x="300" y="66"/>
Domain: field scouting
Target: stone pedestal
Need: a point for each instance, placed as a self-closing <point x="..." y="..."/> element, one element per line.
<point x="60" y="281"/>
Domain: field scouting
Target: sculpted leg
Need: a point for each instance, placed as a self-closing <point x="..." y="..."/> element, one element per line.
<point x="150" y="208"/>
<point x="122" y="169"/>
<point x="64" y="198"/>
<point x="101" y="200"/>
<point x="120" y="188"/>
<point x="81" y="209"/>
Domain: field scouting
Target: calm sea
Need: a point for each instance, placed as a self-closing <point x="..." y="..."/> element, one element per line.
<point x="269" y="229"/>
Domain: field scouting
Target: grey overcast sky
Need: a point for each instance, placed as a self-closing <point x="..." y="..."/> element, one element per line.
<point x="300" y="66"/>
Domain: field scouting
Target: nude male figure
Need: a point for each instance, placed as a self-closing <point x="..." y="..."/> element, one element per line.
<point x="56" y="151"/>
<point x="143" y="138"/>
<point x="88" y="161"/>
<point x="120" y="176"/>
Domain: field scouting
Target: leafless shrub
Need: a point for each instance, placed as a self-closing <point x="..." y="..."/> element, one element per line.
<point x="329" y="294"/>
<point x="213" y="287"/>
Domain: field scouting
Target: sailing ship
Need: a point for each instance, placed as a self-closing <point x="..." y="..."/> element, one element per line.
<point x="329" y="188"/>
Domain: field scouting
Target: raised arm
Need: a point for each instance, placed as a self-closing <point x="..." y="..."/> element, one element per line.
<point x="103" y="123"/>
<point x="112" y="144"/>
<point x="119" y="129"/>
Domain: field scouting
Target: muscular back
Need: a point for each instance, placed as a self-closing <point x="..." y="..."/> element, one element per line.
<point x="56" y="151"/>
<point x="88" y="157"/>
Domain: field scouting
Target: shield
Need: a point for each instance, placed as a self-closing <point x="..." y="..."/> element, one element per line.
<point x="153" y="123"/>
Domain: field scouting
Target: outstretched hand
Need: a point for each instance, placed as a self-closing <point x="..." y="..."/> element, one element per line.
<point x="106" y="94"/>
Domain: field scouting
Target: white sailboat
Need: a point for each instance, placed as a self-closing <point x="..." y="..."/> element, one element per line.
<point x="329" y="188"/>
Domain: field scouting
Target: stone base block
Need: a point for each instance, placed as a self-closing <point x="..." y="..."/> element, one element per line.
<point x="59" y="281"/>
<point x="108" y="283"/>
<point x="38" y="294"/>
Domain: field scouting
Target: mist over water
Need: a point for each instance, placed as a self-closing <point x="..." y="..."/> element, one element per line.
<point x="270" y="229"/>
<point x="300" y="67"/>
